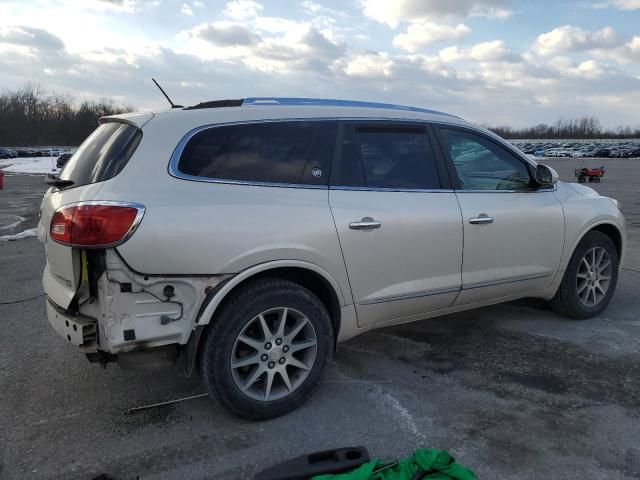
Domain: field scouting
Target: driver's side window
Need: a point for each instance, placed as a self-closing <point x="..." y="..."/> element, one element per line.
<point x="484" y="165"/>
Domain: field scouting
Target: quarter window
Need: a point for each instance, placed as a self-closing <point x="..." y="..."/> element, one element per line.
<point x="275" y="152"/>
<point x="483" y="165"/>
<point x="103" y="154"/>
<point x="397" y="157"/>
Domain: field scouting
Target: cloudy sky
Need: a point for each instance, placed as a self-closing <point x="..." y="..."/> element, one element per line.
<point x="492" y="61"/>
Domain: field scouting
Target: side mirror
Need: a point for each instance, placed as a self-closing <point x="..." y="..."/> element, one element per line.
<point x="546" y="175"/>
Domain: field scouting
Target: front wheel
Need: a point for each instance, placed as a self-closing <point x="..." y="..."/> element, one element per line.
<point x="590" y="279"/>
<point x="267" y="349"/>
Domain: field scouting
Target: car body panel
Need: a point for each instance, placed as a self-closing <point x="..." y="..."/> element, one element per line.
<point x="411" y="263"/>
<point x="519" y="251"/>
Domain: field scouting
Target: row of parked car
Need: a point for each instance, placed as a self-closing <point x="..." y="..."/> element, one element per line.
<point x="62" y="154"/>
<point x="577" y="149"/>
<point x="26" y="152"/>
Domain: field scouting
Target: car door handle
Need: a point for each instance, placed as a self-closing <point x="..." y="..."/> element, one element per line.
<point x="481" y="219"/>
<point x="367" y="223"/>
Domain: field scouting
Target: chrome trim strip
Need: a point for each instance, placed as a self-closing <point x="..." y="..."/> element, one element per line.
<point x="331" y="102"/>
<point x="136" y="221"/>
<point x="521" y="278"/>
<point x="381" y="189"/>
<point x="408" y="296"/>
<point x="535" y="190"/>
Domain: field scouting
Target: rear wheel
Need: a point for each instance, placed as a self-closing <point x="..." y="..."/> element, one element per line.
<point x="267" y="349"/>
<point x="590" y="279"/>
<point x="581" y="179"/>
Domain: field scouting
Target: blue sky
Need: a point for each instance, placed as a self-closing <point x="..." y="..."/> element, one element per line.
<point x="497" y="62"/>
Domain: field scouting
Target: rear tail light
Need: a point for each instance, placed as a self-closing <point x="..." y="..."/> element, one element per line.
<point x="95" y="224"/>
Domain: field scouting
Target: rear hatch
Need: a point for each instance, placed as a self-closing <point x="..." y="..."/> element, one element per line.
<point x="100" y="157"/>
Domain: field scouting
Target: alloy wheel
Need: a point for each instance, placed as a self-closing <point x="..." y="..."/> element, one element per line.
<point x="594" y="276"/>
<point x="273" y="354"/>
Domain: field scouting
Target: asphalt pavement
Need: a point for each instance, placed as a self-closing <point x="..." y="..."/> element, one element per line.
<point x="512" y="391"/>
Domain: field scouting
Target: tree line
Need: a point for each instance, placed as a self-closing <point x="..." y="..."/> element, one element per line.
<point x="575" y="128"/>
<point x="29" y="116"/>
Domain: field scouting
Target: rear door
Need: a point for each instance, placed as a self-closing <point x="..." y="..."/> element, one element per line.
<point x="513" y="229"/>
<point x="398" y="223"/>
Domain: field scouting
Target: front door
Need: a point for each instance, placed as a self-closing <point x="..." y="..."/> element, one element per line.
<point x="513" y="229"/>
<point x="400" y="232"/>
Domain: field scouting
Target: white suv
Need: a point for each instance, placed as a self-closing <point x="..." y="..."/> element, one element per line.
<point x="246" y="238"/>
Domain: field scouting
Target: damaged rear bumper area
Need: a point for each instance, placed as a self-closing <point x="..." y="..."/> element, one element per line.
<point x="138" y="320"/>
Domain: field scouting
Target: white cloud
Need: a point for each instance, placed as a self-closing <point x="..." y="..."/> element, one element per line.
<point x="492" y="13"/>
<point x="186" y="10"/>
<point x="369" y="65"/>
<point x="626" y="4"/>
<point x="589" y="69"/>
<point x="422" y="34"/>
<point x="242" y="9"/>
<point x="198" y="4"/>
<point x="494" y="51"/>
<point x="570" y="39"/>
<point x="392" y="12"/>
<point x="226" y="34"/>
<point x="626" y="53"/>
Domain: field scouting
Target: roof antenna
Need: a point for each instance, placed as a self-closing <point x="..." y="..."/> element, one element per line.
<point x="166" y="96"/>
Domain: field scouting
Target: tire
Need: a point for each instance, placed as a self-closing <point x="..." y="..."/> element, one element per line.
<point x="581" y="179"/>
<point x="569" y="299"/>
<point x="590" y="179"/>
<point x="597" y="179"/>
<point x="258" y="305"/>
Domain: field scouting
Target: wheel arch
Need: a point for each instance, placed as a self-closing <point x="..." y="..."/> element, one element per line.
<point x="308" y="275"/>
<point x="606" y="227"/>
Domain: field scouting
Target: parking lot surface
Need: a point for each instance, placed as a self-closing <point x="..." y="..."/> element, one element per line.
<point x="512" y="391"/>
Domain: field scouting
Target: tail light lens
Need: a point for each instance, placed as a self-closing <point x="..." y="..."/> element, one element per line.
<point x="95" y="224"/>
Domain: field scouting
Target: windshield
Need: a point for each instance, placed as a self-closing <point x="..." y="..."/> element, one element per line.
<point x="103" y="154"/>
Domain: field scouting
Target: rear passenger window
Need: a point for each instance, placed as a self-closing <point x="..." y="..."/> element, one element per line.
<point x="399" y="157"/>
<point x="275" y="152"/>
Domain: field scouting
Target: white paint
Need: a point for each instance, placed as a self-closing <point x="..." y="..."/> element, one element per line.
<point x="14" y="224"/>
<point x="401" y="412"/>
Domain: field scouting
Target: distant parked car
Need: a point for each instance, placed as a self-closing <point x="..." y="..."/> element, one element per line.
<point x="602" y="152"/>
<point x="7" y="153"/>
<point x="25" y="152"/>
<point x="63" y="159"/>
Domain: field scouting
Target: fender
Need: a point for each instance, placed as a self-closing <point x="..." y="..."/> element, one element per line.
<point x="607" y="221"/>
<point x="213" y="301"/>
<point x="568" y="253"/>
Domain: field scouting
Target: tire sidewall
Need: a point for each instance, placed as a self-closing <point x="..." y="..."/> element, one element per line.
<point x="230" y="323"/>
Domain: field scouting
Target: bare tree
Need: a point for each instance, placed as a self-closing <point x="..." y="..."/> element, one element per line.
<point x="30" y="116"/>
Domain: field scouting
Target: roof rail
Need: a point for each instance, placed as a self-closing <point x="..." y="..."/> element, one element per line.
<point x="216" y="104"/>
<point x="326" y="102"/>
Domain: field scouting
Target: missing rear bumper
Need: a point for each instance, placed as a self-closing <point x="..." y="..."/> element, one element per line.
<point x="147" y="360"/>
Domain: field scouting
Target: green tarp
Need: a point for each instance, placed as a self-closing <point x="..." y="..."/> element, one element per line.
<point x="438" y="464"/>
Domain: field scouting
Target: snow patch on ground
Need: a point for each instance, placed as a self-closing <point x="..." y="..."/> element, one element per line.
<point x="32" y="232"/>
<point x="36" y="165"/>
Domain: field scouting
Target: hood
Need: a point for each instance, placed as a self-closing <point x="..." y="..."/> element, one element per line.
<point x="584" y="190"/>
